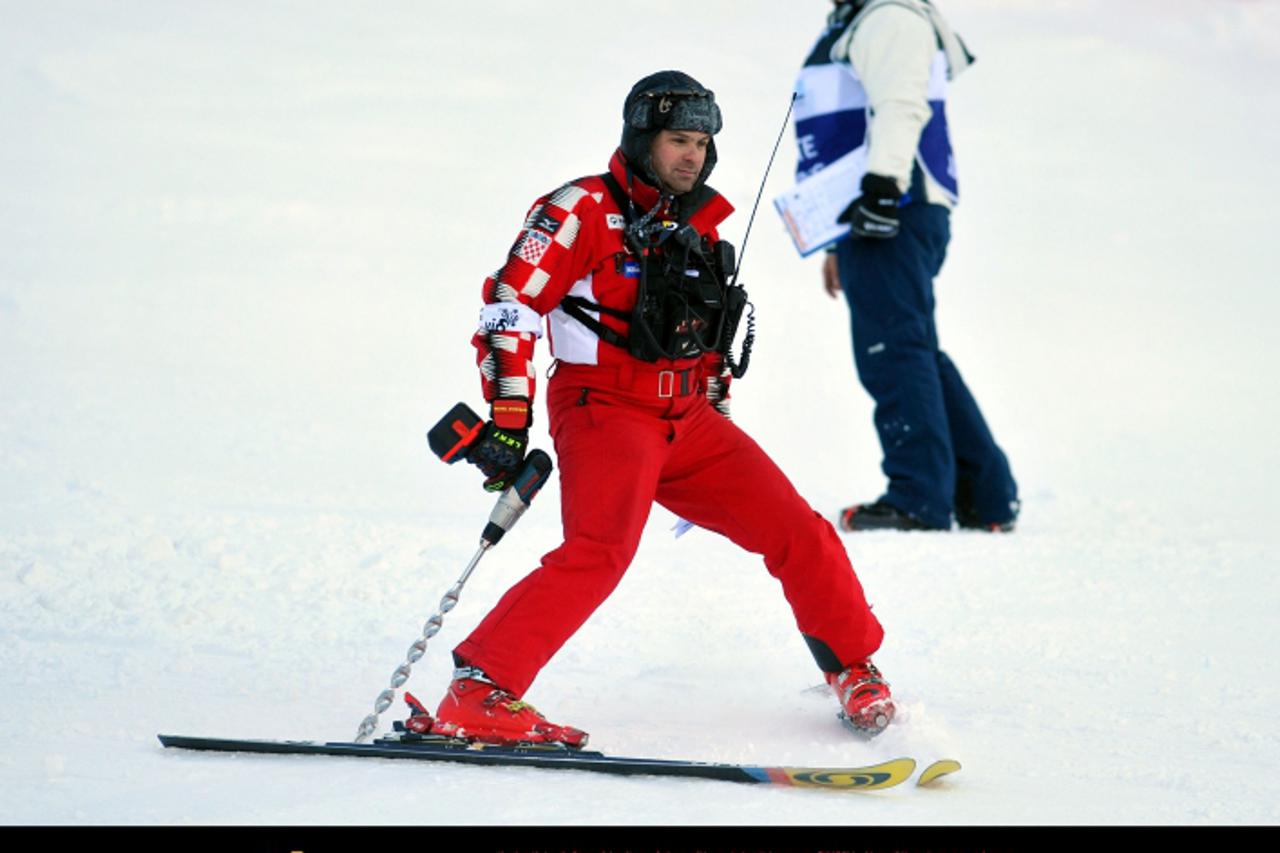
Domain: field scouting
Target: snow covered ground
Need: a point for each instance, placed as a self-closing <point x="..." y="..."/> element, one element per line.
<point x="241" y="246"/>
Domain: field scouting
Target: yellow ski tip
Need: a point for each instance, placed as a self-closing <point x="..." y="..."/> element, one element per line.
<point x="938" y="769"/>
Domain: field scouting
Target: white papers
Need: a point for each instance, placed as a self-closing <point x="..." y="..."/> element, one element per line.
<point x="809" y="209"/>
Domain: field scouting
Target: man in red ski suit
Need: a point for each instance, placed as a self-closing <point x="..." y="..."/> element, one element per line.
<point x="638" y="407"/>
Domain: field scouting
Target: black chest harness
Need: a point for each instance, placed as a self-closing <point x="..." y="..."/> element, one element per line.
<point x="685" y="306"/>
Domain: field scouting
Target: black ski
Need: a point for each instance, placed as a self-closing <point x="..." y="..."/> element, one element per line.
<point x="432" y="748"/>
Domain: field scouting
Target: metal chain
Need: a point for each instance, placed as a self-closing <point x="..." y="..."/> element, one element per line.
<point x="419" y="648"/>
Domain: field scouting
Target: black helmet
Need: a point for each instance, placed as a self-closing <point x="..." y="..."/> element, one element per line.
<point x="669" y="100"/>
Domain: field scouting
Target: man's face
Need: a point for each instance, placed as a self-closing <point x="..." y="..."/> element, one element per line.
<point x="678" y="157"/>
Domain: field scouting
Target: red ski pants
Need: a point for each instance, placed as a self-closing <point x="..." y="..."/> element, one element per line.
<point x="625" y="438"/>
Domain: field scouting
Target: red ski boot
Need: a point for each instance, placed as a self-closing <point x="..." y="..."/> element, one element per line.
<point x="478" y="710"/>
<point x="867" y="707"/>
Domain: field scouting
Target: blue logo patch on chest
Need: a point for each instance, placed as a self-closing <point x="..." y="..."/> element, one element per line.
<point x="631" y="269"/>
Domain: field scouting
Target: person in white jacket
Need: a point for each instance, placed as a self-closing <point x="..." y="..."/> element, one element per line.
<point x="877" y="79"/>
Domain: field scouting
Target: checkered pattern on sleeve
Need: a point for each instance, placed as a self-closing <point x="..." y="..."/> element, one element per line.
<point x="543" y="263"/>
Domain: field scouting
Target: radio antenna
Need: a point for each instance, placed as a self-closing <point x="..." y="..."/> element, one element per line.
<point x="743" y="253"/>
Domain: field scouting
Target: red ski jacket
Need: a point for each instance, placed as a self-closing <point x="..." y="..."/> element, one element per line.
<point x="572" y="243"/>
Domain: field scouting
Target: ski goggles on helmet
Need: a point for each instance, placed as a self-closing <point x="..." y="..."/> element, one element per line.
<point x="676" y="109"/>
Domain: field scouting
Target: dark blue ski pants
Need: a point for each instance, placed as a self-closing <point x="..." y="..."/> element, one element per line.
<point x="939" y="454"/>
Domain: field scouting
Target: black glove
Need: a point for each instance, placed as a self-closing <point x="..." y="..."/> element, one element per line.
<point x="875" y="212"/>
<point x="499" y="454"/>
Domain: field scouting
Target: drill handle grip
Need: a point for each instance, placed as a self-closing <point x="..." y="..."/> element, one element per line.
<point x="517" y="497"/>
